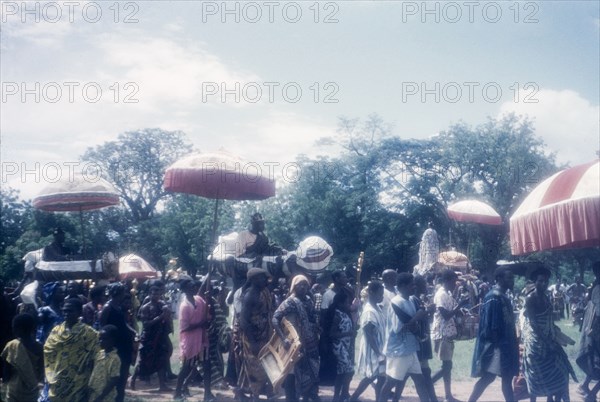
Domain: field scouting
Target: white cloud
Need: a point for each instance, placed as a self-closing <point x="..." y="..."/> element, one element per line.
<point x="167" y="71"/>
<point x="568" y="123"/>
<point x="287" y="135"/>
<point x="42" y="33"/>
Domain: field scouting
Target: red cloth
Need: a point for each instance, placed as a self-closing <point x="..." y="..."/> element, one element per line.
<point x="192" y="343"/>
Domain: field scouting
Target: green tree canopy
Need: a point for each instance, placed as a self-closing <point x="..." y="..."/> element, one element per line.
<point x="136" y="162"/>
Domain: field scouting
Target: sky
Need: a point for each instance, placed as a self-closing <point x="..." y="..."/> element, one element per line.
<point x="267" y="79"/>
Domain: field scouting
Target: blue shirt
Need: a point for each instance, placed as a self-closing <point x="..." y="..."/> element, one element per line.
<point x="400" y="342"/>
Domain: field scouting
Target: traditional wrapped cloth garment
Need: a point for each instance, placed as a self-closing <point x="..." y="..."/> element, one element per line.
<point x="496" y="331"/>
<point x="193" y="343"/>
<point x="546" y="364"/>
<point x="68" y="359"/>
<point x="28" y="371"/>
<point x="303" y="316"/>
<point x="252" y="374"/>
<point x="343" y="348"/>
<point x="588" y="357"/>
<point x="106" y="367"/>
<point x="217" y="327"/>
<point x="155" y="343"/>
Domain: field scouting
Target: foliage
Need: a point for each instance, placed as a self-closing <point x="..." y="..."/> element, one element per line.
<point x="376" y="195"/>
<point x="186" y="228"/>
<point x="12" y="212"/>
<point x="135" y="163"/>
<point x="497" y="162"/>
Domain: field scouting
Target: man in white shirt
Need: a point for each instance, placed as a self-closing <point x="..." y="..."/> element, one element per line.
<point x="402" y="343"/>
<point x="389" y="278"/>
<point x="444" y="329"/>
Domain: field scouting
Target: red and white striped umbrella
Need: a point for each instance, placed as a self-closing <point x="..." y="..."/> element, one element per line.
<point x="562" y="212"/>
<point x="474" y="211"/>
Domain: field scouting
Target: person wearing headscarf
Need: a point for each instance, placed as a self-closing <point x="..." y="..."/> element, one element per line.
<point x="69" y="354"/>
<point x="256" y="330"/>
<point x="546" y="364"/>
<point x="299" y="310"/>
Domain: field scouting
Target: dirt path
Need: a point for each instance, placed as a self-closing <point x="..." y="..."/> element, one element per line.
<point x="462" y="390"/>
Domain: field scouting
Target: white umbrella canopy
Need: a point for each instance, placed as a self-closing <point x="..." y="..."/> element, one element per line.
<point x="76" y="193"/>
<point x="474" y="211"/>
<point x="562" y="212"/>
<point x="133" y="266"/>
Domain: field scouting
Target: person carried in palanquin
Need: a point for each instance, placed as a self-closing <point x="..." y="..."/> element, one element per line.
<point x="239" y="251"/>
<point x="254" y="243"/>
<point x="56" y="251"/>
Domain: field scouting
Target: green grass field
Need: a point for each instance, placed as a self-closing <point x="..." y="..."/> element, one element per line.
<point x="463" y="354"/>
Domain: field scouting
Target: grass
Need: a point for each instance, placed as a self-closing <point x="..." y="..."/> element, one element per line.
<point x="463" y="354"/>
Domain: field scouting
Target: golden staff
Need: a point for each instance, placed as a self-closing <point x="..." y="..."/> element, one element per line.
<point x="361" y="259"/>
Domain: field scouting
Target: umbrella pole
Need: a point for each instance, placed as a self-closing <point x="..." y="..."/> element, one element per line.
<point x="213" y="239"/>
<point x="82" y="233"/>
<point x="213" y="236"/>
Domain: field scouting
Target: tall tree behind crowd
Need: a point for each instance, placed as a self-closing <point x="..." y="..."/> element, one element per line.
<point x="136" y="162"/>
<point x="497" y="162"/>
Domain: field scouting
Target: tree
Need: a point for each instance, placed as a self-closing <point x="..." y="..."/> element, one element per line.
<point x="497" y="162"/>
<point x="135" y="163"/>
<point x="13" y="223"/>
<point x="12" y="217"/>
<point x="186" y="228"/>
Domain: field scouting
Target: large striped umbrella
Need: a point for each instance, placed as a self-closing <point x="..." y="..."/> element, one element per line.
<point x="474" y="211"/>
<point x="561" y="212"/>
<point x="133" y="266"/>
<point x="77" y="193"/>
<point x="220" y="176"/>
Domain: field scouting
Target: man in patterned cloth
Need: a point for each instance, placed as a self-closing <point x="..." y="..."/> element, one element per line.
<point x="69" y="354"/>
<point x="444" y="329"/>
<point x="256" y="330"/>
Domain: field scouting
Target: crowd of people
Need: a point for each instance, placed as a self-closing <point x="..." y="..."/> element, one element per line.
<point x="83" y="341"/>
<point x="85" y="347"/>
